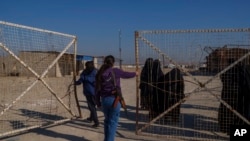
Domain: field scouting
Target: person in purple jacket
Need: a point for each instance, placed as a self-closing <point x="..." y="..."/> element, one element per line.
<point x="105" y="98"/>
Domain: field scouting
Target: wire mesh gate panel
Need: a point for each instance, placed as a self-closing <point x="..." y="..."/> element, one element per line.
<point x="36" y="75"/>
<point x="194" y="84"/>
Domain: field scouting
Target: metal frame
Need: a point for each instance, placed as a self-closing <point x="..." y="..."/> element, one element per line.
<point x="41" y="78"/>
<point x="200" y="85"/>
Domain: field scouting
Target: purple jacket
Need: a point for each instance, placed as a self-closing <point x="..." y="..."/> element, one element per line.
<point x="107" y="85"/>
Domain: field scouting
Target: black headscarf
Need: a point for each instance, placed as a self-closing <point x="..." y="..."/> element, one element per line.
<point x="146" y="74"/>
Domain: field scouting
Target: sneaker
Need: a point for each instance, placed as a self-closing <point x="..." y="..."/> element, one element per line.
<point x="95" y="125"/>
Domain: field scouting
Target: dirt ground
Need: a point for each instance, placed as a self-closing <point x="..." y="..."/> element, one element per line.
<point x="78" y="130"/>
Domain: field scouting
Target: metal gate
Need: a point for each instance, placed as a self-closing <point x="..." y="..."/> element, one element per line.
<point x="201" y="86"/>
<point x="37" y="69"/>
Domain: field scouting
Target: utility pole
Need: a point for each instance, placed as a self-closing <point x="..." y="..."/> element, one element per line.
<point x="120" y="49"/>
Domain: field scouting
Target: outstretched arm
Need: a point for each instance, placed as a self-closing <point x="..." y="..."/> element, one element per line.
<point x="79" y="81"/>
<point x="125" y="74"/>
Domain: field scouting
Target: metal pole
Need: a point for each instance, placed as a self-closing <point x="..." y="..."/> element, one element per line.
<point x="74" y="79"/>
<point x="120" y="49"/>
<point x="137" y="80"/>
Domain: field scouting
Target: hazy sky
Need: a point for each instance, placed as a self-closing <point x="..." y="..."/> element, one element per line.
<point x="96" y="23"/>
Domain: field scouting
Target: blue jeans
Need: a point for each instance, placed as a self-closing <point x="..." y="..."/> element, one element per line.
<point x="111" y="118"/>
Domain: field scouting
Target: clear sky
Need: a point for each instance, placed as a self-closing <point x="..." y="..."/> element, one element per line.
<point x="96" y="23"/>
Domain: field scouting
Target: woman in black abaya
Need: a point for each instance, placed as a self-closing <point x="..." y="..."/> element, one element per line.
<point x="145" y="84"/>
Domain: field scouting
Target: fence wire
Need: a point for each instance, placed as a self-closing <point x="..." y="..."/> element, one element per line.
<point x="37" y="72"/>
<point x="194" y="84"/>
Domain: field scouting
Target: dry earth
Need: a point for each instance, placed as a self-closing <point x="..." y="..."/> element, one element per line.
<point x="78" y="130"/>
